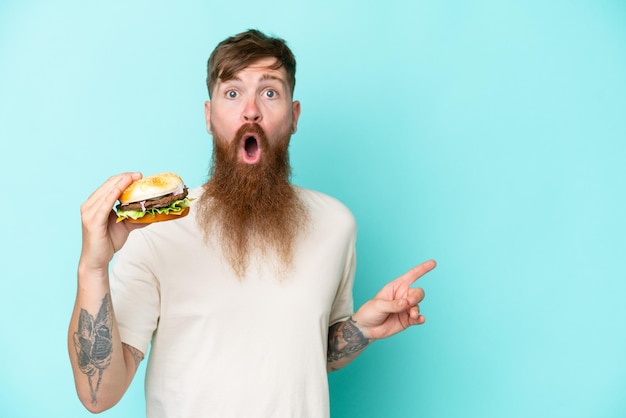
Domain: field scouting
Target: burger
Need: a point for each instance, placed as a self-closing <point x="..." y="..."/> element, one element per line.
<point x="156" y="198"/>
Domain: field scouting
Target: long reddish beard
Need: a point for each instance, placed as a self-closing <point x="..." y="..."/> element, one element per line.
<point x="251" y="207"/>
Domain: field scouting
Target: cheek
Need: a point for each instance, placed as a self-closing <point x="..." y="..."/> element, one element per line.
<point x="222" y="126"/>
<point x="281" y="125"/>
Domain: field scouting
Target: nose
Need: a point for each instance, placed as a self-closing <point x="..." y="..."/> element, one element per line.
<point x="251" y="112"/>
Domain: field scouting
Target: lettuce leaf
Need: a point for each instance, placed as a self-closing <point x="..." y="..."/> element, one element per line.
<point x="175" y="208"/>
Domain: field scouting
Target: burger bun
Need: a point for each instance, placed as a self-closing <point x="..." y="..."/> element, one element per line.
<point x="152" y="186"/>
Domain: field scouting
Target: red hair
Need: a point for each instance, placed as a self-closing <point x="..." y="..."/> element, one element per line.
<point x="239" y="51"/>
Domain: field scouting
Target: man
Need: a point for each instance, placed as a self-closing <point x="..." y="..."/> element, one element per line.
<point x="246" y="303"/>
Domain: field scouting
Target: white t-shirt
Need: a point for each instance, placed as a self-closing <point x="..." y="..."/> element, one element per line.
<point x="224" y="346"/>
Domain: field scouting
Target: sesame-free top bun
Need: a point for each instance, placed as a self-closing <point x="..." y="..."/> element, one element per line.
<point x="152" y="186"/>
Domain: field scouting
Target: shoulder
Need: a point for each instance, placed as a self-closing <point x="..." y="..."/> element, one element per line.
<point x="324" y="206"/>
<point x="322" y="201"/>
<point x="196" y="192"/>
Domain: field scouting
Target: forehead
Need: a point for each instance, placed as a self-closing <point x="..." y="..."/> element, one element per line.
<point x="267" y="63"/>
<point x="262" y="69"/>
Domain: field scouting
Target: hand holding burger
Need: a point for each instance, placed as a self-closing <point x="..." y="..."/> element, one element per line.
<point x="156" y="198"/>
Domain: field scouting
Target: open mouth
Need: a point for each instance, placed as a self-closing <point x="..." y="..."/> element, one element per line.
<point x="251" y="151"/>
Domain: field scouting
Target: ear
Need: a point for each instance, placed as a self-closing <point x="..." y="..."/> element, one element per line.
<point x="295" y="114"/>
<point x="207" y="116"/>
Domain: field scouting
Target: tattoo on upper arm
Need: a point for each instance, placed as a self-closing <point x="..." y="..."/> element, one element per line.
<point x="93" y="343"/>
<point x="137" y="354"/>
<point x="345" y="338"/>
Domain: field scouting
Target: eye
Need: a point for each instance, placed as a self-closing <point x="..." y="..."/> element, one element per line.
<point x="270" y="94"/>
<point x="232" y="94"/>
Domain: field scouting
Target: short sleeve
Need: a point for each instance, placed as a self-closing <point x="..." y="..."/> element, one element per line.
<point x="343" y="306"/>
<point x="135" y="292"/>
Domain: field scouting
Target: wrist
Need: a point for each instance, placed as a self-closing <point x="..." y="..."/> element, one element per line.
<point x="345" y="341"/>
<point x="89" y="273"/>
<point x="358" y="323"/>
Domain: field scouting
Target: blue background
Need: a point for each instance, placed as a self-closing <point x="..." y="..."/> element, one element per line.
<point x="489" y="135"/>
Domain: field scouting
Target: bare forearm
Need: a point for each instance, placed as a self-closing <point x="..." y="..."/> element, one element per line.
<point x="102" y="366"/>
<point x="345" y="342"/>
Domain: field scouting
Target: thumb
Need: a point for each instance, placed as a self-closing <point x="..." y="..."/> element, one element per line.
<point x="391" y="306"/>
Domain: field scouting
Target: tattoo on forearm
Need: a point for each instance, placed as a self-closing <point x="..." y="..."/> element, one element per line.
<point x="93" y="344"/>
<point x="137" y="354"/>
<point x="344" y="339"/>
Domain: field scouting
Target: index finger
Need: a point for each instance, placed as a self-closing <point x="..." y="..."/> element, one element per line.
<point x="416" y="272"/>
<point x="114" y="185"/>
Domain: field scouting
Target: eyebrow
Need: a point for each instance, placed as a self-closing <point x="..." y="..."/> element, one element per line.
<point x="264" y="77"/>
<point x="267" y="76"/>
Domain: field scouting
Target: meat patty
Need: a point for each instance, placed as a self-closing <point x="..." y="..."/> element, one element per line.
<point x="157" y="202"/>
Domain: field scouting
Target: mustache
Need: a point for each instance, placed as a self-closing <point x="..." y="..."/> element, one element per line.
<point x="251" y="128"/>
